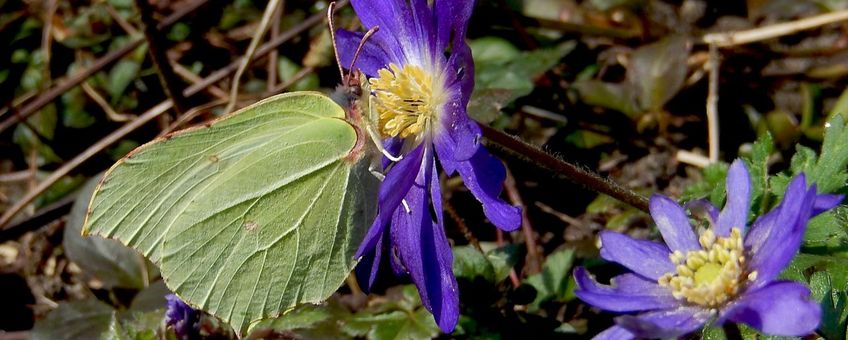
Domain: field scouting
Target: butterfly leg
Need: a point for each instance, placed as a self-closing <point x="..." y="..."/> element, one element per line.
<point x="381" y="177"/>
<point x="370" y="127"/>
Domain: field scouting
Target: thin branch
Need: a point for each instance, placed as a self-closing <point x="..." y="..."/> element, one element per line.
<point x="270" y="9"/>
<point x="727" y="39"/>
<point x="66" y="168"/>
<point x="261" y="52"/>
<point x="194" y="79"/>
<point x="534" y="259"/>
<point x="714" y="64"/>
<point x="460" y="223"/>
<point x="125" y="25"/>
<point x="61" y="87"/>
<point x="273" y="58"/>
<point x="157" y="47"/>
<point x="104" y="105"/>
<point x="573" y="173"/>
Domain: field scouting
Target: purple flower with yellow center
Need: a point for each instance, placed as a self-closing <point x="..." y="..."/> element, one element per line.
<point x="182" y="318"/>
<point x="421" y="76"/>
<point x="727" y="272"/>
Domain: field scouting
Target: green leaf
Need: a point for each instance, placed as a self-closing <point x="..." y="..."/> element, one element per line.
<point x="120" y="77"/>
<point x="758" y="167"/>
<point x="711" y="187"/>
<point x="107" y="260"/>
<point x="503" y="259"/>
<point x="658" y="71"/>
<point x="713" y="333"/>
<point x="828" y="230"/>
<point x="834" y="312"/>
<point x="287" y="69"/>
<point x="618" y="97"/>
<point x="493" y="50"/>
<point x="151" y="298"/>
<point x="552" y="282"/>
<point x="841" y="106"/>
<point x="135" y="325"/>
<point x="500" y="80"/>
<point x="469" y="263"/>
<point x="250" y="215"/>
<point x="399" y="317"/>
<point x="830" y="171"/>
<point x="84" y="319"/>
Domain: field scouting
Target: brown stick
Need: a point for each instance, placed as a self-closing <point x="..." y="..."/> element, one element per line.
<point x="158" y="52"/>
<point x="570" y="171"/>
<point x="61" y="87"/>
<point x="534" y="259"/>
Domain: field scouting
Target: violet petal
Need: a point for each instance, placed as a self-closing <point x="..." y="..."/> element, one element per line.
<point x="628" y="293"/>
<point x="425" y="252"/>
<point x="646" y="258"/>
<point x="735" y="212"/>
<point x="781" y="308"/>
<point x="371" y="59"/>
<point x="397" y="183"/>
<point x="673" y="224"/>
<point x="484" y="175"/>
<point x="664" y="324"/>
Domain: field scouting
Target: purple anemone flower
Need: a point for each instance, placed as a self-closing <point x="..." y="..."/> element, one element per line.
<point x="182" y="318"/>
<point x="727" y="272"/>
<point x="421" y="76"/>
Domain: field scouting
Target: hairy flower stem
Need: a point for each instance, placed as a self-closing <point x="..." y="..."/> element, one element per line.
<point x="532" y="154"/>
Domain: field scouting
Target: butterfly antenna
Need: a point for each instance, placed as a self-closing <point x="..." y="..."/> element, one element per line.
<point x="362" y="44"/>
<point x="330" y="14"/>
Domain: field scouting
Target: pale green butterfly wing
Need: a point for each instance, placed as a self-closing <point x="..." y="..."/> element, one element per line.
<point x="249" y="216"/>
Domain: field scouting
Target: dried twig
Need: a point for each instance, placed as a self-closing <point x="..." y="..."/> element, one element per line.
<point x="158" y="53"/>
<point x="273" y="58"/>
<point x="125" y="25"/>
<point x="66" y="168"/>
<point x="574" y="173"/>
<point x="727" y="39"/>
<point x="712" y="103"/>
<point x="104" y="105"/>
<point x="63" y="86"/>
<point x="460" y="223"/>
<point x="194" y="79"/>
<point x="270" y="9"/>
<point x="534" y="259"/>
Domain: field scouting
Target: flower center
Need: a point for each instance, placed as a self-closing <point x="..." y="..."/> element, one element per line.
<point x="407" y="100"/>
<point x="711" y="276"/>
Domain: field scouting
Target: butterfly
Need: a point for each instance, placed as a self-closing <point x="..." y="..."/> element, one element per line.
<point x="256" y="212"/>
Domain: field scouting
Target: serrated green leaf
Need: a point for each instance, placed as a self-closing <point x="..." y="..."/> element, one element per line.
<point x="828" y="230"/>
<point x="758" y="168"/>
<point x="834" y="313"/>
<point x="829" y="173"/>
<point x="711" y="187"/>
<point x="248" y="216"/>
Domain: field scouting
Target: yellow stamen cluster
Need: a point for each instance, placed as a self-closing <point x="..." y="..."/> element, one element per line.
<point x="407" y="100"/>
<point x="713" y="275"/>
